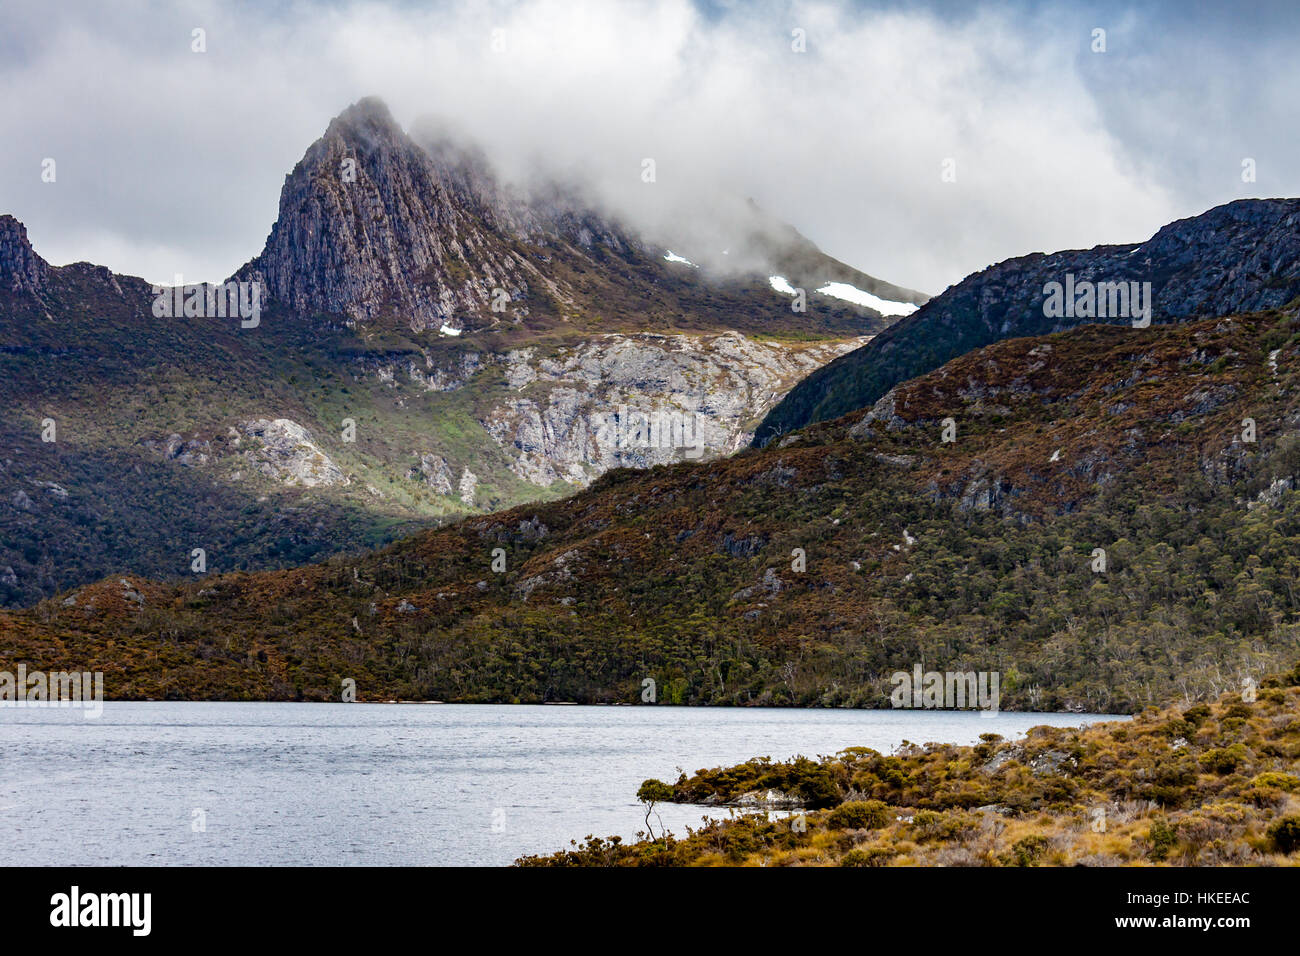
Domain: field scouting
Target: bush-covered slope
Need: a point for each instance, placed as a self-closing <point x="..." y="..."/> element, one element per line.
<point x="979" y="554"/>
<point x="1239" y="257"/>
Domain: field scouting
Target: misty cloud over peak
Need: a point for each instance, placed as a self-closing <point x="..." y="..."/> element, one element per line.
<point x="840" y="118"/>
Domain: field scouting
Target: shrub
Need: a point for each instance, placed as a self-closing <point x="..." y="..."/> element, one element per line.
<point x="818" y="790"/>
<point x="926" y="823"/>
<point x="654" y="791"/>
<point x="1029" y="850"/>
<point x="651" y="792"/>
<point x="1231" y="725"/>
<point x="950" y="826"/>
<point x="1171" y="780"/>
<point x="1163" y="837"/>
<point x="1281" y="781"/>
<point x="1285" y="833"/>
<point x="1224" y="759"/>
<point x="861" y="815"/>
<point x="868" y="856"/>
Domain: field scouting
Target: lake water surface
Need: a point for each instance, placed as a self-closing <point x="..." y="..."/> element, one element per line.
<point x="340" y="784"/>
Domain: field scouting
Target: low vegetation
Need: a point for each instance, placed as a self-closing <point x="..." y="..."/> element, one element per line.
<point x="1209" y="784"/>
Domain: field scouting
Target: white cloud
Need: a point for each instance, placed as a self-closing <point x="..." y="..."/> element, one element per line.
<point x="171" y="161"/>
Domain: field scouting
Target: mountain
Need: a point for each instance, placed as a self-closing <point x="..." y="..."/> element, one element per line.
<point x="1239" y="257"/>
<point x="371" y="225"/>
<point x="1115" y="521"/>
<point x="418" y="236"/>
<point x="377" y="391"/>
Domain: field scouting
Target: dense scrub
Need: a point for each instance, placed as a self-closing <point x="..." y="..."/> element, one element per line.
<point x="1201" y="785"/>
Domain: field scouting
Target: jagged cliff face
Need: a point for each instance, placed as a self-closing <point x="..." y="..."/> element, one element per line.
<point x="21" y="269"/>
<point x="1239" y="257"/>
<point x="564" y="416"/>
<point x="372" y="225"/>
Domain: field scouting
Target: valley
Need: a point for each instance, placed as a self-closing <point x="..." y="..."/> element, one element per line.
<point x="428" y="343"/>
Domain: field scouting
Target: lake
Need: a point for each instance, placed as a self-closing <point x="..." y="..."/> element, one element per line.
<point x="381" y="784"/>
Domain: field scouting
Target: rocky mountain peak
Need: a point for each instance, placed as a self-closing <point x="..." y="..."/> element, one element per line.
<point x="368" y="113"/>
<point x="370" y="225"/>
<point x="21" y="269"/>
<point x="417" y="229"/>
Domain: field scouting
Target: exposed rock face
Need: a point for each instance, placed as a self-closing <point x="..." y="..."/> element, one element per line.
<point x="641" y="400"/>
<point x="434" y="471"/>
<point x="611" y="401"/>
<point x="433" y="373"/>
<point x="1239" y="257"/>
<point x="21" y="269"/>
<point x="468" y="484"/>
<point x="284" y="450"/>
<point x="372" y="224"/>
<point x="437" y="379"/>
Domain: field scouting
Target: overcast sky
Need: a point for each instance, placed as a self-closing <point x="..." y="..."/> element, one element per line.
<point x="171" y="161"/>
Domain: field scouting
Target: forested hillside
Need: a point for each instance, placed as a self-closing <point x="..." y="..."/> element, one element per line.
<point x="1106" y="530"/>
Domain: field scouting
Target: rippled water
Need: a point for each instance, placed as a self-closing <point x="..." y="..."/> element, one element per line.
<point x="389" y="784"/>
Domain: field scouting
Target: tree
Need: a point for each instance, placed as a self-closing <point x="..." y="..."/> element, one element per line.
<point x="651" y="792"/>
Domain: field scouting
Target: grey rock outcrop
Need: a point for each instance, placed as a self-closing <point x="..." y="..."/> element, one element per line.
<point x="641" y="400"/>
<point x="435" y="472"/>
<point x="21" y="269"/>
<point x="285" y="450"/>
<point x="468" y="486"/>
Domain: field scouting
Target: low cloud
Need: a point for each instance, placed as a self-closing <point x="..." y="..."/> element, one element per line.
<point x="171" y="161"/>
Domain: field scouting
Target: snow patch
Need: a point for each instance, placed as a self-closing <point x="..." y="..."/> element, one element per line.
<point x="849" y="293"/>
<point x="448" y="330"/>
<point x="782" y="284"/>
<point x="670" y="256"/>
